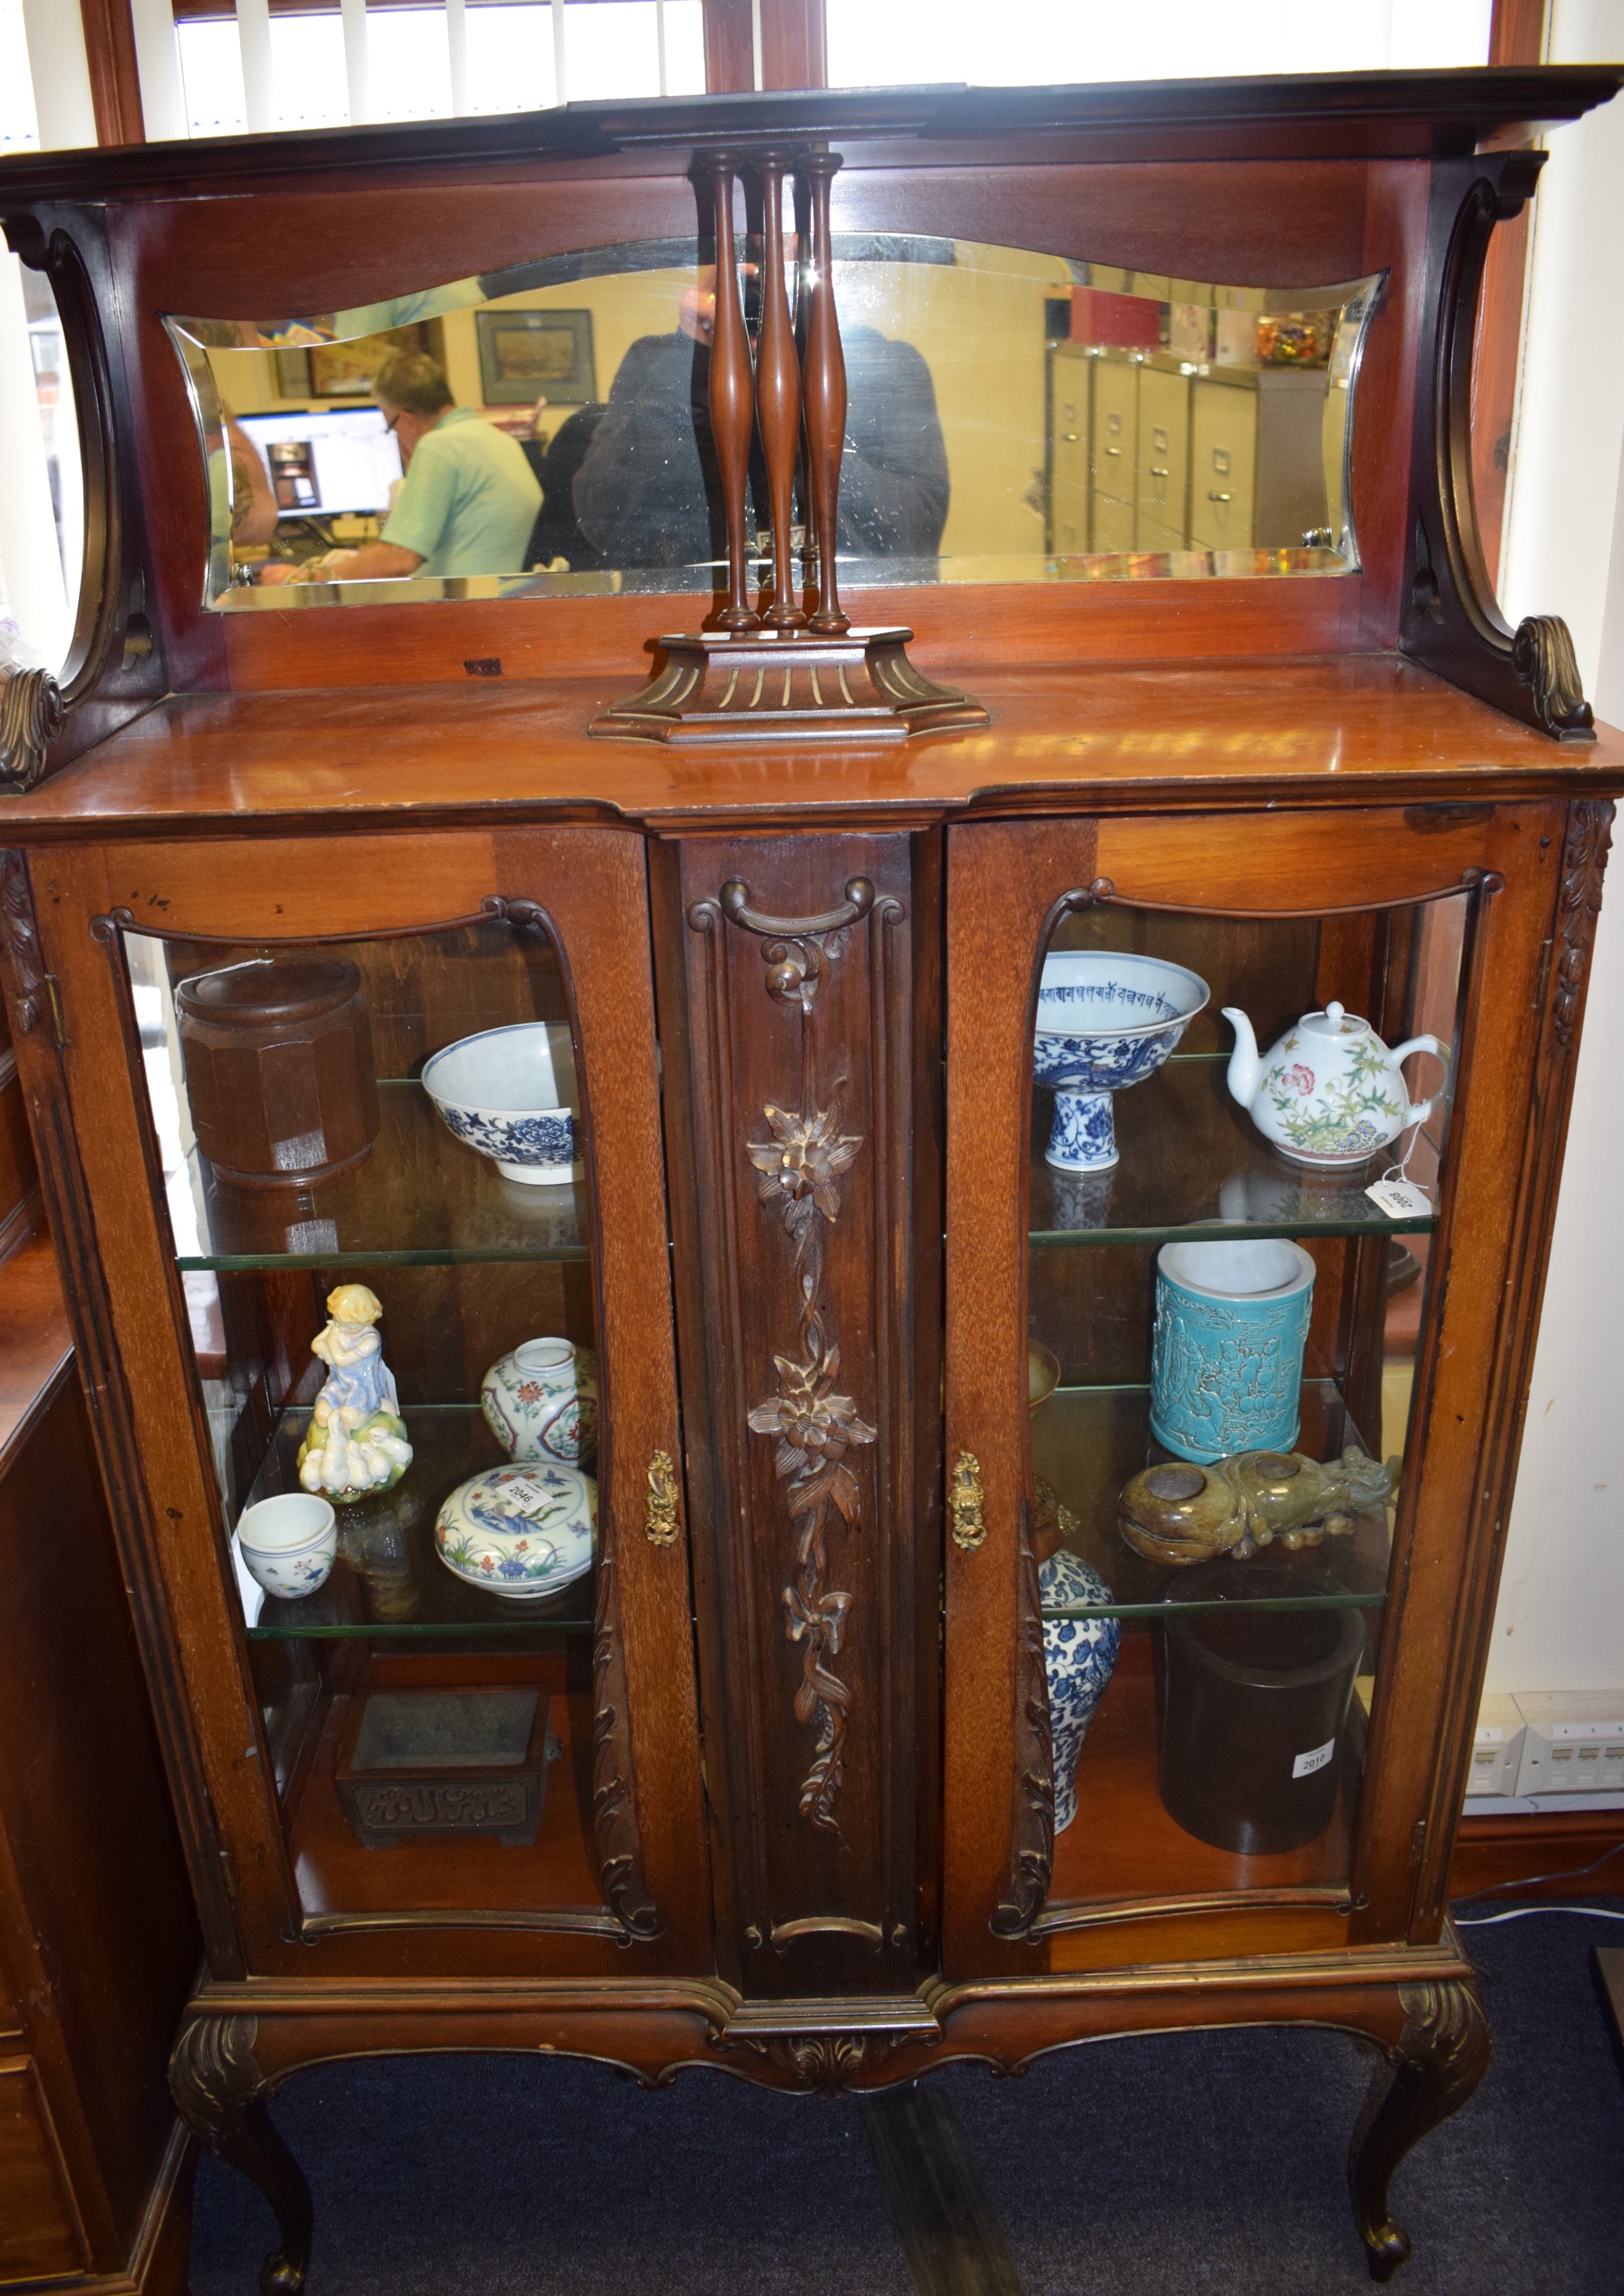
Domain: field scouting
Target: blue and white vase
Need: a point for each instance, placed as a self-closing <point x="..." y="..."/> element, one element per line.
<point x="1078" y="1656"/>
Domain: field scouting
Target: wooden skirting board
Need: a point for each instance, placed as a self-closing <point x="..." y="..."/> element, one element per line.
<point x="1493" y="1852"/>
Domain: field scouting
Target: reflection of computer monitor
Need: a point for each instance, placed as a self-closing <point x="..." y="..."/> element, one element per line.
<point x="341" y="458"/>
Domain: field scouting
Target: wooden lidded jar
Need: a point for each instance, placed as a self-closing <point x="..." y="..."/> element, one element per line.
<point x="279" y="1068"/>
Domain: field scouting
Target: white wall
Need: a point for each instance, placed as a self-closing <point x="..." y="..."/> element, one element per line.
<point x="1561" y="1623"/>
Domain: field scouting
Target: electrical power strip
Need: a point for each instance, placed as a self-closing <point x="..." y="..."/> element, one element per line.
<point x="1572" y="1743"/>
<point x="1497" y="1749"/>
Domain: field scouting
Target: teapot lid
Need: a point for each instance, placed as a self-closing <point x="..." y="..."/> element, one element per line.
<point x="1334" y="1022"/>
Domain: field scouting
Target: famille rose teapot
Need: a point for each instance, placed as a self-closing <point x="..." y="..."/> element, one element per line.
<point x="1330" y="1092"/>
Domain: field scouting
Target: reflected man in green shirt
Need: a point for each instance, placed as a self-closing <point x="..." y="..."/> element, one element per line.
<point x="470" y="499"/>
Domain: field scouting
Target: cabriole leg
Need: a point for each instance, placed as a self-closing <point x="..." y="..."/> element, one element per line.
<point x="1437" y="2063"/>
<point x="218" y="2087"/>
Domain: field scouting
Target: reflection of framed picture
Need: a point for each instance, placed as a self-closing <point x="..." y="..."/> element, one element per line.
<point x="346" y="370"/>
<point x="293" y="373"/>
<point x="529" y="355"/>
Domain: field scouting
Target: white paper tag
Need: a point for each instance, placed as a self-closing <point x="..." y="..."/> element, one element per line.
<point x="529" y="1496"/>
<point x="1400" y="1199"/>
<point x="1306" y="1765"/>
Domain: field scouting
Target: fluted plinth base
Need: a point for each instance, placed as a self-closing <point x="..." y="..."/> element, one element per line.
<point x="797" y="686"/>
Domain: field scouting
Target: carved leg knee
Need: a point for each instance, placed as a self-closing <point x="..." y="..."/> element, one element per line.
<point x="1438" y="2062"/>
<point x="218" y="2088"/>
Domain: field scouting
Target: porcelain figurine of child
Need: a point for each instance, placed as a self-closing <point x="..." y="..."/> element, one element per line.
<point x="356" y="1441"/>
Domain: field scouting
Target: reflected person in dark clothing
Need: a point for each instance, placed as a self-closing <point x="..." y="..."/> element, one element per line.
<point x="648" y="492"/>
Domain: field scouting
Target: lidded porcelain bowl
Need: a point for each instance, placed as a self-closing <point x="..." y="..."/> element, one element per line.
<point x="1105" y="1020"/>
<point x="509" y="1092"/>
<point x="520" y="1531"/>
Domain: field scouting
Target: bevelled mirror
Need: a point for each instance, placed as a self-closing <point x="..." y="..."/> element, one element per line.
<point x="1012" y="417"/>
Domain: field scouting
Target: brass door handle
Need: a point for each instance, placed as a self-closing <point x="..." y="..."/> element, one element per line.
<point x="1113" y="450"/>
<point x="1068" y="438"/>
<point x="965" y="1501"/>
<point x="1159" y="469"/>
<point x="660" y="1523"/>
<point x="1218" y="498"/>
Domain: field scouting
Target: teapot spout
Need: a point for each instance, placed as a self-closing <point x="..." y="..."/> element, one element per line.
<point x="1244" y="1066"/>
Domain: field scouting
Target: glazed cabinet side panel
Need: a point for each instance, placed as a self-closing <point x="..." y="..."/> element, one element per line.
<point x="588" y="887"/>
<point x="799" y="1004"/>
<point x="1545" y="1031"/>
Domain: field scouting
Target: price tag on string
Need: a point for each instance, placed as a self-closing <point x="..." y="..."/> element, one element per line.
<point x="1400" y="1199"/>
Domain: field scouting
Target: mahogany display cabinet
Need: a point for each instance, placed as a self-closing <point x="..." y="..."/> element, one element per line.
<point x="877" y="1354"/>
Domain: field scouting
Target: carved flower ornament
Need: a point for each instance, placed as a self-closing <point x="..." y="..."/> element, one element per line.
<point x="813" y="1426"/>
<point x="798" y="1167"/>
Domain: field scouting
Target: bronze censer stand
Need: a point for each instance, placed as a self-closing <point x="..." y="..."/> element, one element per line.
<point x="783" y="674"/>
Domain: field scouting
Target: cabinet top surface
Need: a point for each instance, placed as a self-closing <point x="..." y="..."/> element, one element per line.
<point x="1343" y="730"/>
<point x="1348" y="115"/>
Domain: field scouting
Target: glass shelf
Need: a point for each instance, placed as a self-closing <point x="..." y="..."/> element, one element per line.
<point x="421" y="1199"/>
<point x="388" y="1582"/>
<point x="1192" y="1160"/>
<point x="1088" y="1441"/>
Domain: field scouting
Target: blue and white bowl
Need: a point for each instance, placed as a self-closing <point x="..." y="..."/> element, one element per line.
<point x="509" y="1092"/>
<point x="1078" y="1654"/>
<point x="1105" y="1020"/>
<point x="521" y="1531"/>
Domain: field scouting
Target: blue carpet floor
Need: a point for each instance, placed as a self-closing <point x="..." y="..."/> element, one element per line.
<point x="1188" y="2165"/>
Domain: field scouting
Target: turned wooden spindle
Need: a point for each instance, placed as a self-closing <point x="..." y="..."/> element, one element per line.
<point x="779" y="395"/>
<point x="731" y="398"/>
<point x="823" y="387"/>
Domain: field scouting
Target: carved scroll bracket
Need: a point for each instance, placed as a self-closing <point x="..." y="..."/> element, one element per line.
<point x="1450" y="620"/>
<point x="32" y="713"/>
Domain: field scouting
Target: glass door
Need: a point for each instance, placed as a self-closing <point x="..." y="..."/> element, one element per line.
<point x="416" y="1217"/>
<point x="1181" y="1416"/>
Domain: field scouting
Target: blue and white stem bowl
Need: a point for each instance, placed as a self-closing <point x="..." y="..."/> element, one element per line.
<point x="1105" y="1020"/>
<point x="509" y="1092"/>
<point x="1078" y="1657"/>
<point x="1227" y="1351"/>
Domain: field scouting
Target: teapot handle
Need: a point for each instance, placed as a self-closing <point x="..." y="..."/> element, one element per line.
<point x="1415" y="1113"/>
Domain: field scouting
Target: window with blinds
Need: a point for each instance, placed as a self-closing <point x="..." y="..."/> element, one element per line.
<point x="1015" y="43"/>
<point x="295" y="65"/>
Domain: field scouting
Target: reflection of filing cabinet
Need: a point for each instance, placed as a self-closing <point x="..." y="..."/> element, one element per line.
<point x="1114" y="452"/>
<point x="1162" y="465"/>
<point x="1291" y="491"/>
<point x="1223" y="463"/>
<point x="1070" y="376"/>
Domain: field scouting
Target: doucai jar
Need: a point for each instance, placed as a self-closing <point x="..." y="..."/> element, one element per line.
<point x="541" y="1402"/>
<point x="1227" y="1347"/>
<point x="1330" y="1091"/>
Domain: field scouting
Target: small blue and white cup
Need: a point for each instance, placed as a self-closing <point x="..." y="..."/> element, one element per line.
<point x="289" y="1543"/>
<point x="1227" y="1353"/>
